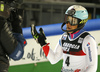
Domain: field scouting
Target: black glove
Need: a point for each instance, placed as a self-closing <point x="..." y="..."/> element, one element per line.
<point x="16" y="21"/>
<point x="39" y="37"/>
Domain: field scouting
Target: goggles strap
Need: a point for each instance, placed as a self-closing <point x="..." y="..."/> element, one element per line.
<point x="74" y="30"/>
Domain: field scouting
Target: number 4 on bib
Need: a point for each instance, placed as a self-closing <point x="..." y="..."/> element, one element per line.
<point x="67" y="61"/>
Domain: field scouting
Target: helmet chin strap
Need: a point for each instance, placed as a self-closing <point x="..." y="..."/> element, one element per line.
<point x="74" y="30"/>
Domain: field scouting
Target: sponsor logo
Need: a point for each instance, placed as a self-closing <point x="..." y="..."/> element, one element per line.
<point x="83" y="21"/>
<point x="89" y="51"/>
<point x="77" y="70"/>
<point x="67" y="46"/>
<point x="70" y="70"/>
<point x="64" y="37"/>
<point x="19" y="53"/>
<point x="80" y="40"/>
<point x="67" y="70"/>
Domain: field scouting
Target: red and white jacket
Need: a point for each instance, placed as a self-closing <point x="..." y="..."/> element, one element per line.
<point x="78" y="50"/>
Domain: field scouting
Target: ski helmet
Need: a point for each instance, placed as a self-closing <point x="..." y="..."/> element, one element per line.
<point x="75" y="15"/>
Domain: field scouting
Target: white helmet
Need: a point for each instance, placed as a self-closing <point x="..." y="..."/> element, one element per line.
<point x="78" y="13"/>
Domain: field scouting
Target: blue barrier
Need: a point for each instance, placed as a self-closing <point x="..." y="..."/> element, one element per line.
<point x="92" y="25"/>
<point x="55" y="29"/>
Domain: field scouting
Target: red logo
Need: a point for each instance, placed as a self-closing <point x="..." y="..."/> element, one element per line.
<point x="24" y="42"/>
<point x="77" y="70"/>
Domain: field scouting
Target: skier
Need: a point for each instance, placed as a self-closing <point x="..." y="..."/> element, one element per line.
<point x="76" y="46"/>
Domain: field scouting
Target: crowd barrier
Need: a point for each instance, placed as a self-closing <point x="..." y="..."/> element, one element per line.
<point x="55" y="29"/>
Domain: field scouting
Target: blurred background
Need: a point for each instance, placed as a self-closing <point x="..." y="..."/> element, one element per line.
<point x="43" y="12"/>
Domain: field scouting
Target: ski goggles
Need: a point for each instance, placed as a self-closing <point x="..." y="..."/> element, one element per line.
<point x="72" y="20"/>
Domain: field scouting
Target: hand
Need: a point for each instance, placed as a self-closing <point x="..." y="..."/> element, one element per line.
<point x="39" y="37"/>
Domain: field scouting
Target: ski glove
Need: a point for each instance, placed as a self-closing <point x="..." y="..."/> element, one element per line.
<point x="39" y="37"/>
